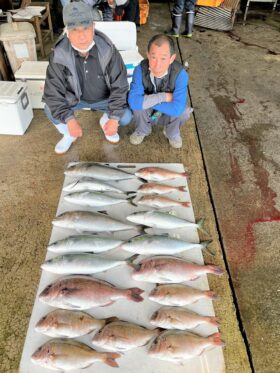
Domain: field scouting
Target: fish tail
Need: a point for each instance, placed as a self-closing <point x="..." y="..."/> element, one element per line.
<point x="215" y="339"/>
<point x="215" y="270"/>
<point x="131" y="202"/>
<point x="186" y="174"/>
<point x="135" y="294"/>
<point x="211" y="295"/>
<point x="213" y="320"/>
<point x="108" y="320"/>
<point x="130" y="261"/>
<point x="205" y="246"/>
<point x="110" y="359"/>
<point x="182" y="189"/>
<point x="185" y="204"/>
<point x="200" y="223"/>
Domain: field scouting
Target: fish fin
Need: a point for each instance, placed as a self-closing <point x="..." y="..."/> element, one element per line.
<point x="108" y="304"/>
<point x="110" y="359"/>
<point x="215" y="269"/>
<point x="131" y="202"/>
<point x="182" y="189"/>
<point x="103" y="212"/>
<point x="130" y="260"/>
<point x="200" y="223"/>
<point x="194" y="278"/>
<point x="215" y="339"/>
<point x="213" y="320"/>
<point x="205" y="246"/>
<point x="211" y="295"/>
<point x="135" y="294"/>
<point x="185" y="204"/>
<point x="186" y="174"/>
<point x="111" y="319"/>
<point x="143" y="181"/>
<point x="131" y="192"/>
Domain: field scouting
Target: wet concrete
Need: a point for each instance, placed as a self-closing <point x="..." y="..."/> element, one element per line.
<point x="234" y="91"/>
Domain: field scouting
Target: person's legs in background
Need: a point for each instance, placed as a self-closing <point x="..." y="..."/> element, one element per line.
<point x="189" y="8"/>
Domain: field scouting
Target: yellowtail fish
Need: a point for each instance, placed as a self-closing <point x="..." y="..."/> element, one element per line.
<point x="97" y="171"/>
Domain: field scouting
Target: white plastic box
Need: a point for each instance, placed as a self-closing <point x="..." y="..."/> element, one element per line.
<point x="19" y="42"/>
<point x="123" y="34"/>
<point x="34" y="74"/>
<point x="15" y="108"/>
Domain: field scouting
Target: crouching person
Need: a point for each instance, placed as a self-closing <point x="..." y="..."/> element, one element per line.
<point x="85" y="71"/>
<point x="158" y="93"/>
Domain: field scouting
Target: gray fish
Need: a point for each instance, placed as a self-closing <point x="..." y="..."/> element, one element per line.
<point x="180" y="318"/>
<point x="123" y="336"/>
<point x="93" y="199"/>
<point x="180" y="345"/>
<point x="162" y="220"/>
<point x="160" y="245"/>
<point x="81" y="263"/>
<point x="68" y="324"/>
<point x="64" y="355"/>
<point x="85" y="292"/>
<point x="85" y="221"/>
<point x="97" y="171"/>
<point x="90" y="184"/>
<point x="84" y="243"/>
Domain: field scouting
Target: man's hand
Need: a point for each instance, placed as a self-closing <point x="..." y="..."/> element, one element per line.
<point x="169" y="97"/>
<point x="74" y="128"/>
<point x="111" y="127"/>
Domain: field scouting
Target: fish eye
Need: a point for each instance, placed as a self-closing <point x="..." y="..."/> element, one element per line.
<point x="44" y="318"/>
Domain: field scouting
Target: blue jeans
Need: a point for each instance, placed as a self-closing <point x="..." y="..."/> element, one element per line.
<point x="101" y="106"/>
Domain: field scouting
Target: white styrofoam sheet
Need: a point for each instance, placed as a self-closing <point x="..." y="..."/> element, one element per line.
<point x="136" y="360"/>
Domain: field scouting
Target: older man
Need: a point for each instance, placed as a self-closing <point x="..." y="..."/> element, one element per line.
<point x="85" y="71"/>
<point x="158" y="93"/>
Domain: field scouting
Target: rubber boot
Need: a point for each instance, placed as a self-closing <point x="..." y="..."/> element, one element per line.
<point x="189" y="25"/>
<point x="176" y="24"/>
<point x="64" y="144"/>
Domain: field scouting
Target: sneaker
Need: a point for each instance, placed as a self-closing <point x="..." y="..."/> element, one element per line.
<point x="185" y="35"/>
<point x="113" y="139"/>
<point x="64" y="144"/>
<point x="177" y="144"/>
<point x="136" y="139"/>
<point x="171" y="33"/>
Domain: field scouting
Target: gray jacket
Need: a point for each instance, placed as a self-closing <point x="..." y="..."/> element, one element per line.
<point x="62" y="88"/>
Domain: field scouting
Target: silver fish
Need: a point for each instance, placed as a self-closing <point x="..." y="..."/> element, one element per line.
<point x="154" y="188"/>
<point x="93" y="199"/>
<point x="90" y="184"/>
<point x="85" y="221"/>
<point x="64" y="355"/>
<point x="159" y="174"/>
<point x="180" y="345"/>
<point x="159" y="202"/>
<point x="68" y="324"/>
<point x="84" y="243"/>
<point x="85" y="292"/>
<point x="80" y="263"/>
<point x="123" y="336"/>
<point x="180" y="318"/>
<point x="160" y="245"/>
<point x="97" y="171"/>
<point x="162" y="220"/>
<point x="169" y="269"/>
<point x="179" y="294"/>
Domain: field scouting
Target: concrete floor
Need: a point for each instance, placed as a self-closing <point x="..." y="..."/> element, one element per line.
<point x="230" y="146"/>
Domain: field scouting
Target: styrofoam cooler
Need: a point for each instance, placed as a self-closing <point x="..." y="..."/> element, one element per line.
<point x="19" y="42"/>
<point x="34" y="74"/>
<point x="124" y="36"/>
<point x="15" y="108"/>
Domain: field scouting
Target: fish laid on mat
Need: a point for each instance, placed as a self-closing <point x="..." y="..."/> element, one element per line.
<point x="85" y="221"/>
<point x="68" y="324"/>
<point x="84" y="292"/>
<point x="94" y="199"/>
<point x="97" y="171"/>
<point x="160" y="245"/>
<point x="180" y="345"/>
<point x="90" y="184"/>
<point x="180" y="318"/>
<point x="169" y="269"/>
<point x="84" y="243"/>
<point x="159" y="202"/>
<point x="123" y="336"/>
<point x="81" y="263"/>
<point x="179" y="295"/>
<point x="64" y="355"/>
<point x="162" y="220"/>
<point x="154" y="188"/>
<point x="159" y="174"/>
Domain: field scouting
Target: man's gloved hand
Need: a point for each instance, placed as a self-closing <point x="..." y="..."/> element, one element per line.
<point x="74" y="128"/>
<point x="111" y="127"/>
